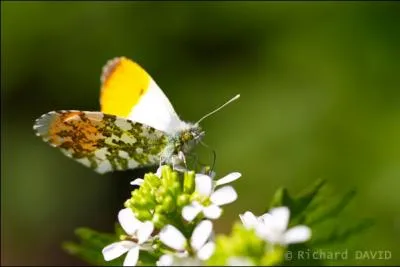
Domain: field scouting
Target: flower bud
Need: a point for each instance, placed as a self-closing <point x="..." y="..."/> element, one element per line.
<point x="143" y="214"/>
<point x="159" y="209"/>
<point x="145" y="191"/>
<point x="135" y="193"/>
<point x="188" y="182"/>
<point x="175" y="188"/>
<point x="159" y="220"/>
<point x="153" y="181"/>
<point x="168" y="204"/>
<point x="160" y="194"/>
<point x="165" y="172"/>
<point x="144" y="203"/>
<point x="174" y="177"/>
<point x="183" y="200"/>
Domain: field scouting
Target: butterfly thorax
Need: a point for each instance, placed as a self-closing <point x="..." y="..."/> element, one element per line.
<point x="189" y="138"/>
<point x="183" y="141"/>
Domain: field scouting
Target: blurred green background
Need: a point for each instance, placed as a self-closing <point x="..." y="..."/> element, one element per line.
<point x="320" y="89"/>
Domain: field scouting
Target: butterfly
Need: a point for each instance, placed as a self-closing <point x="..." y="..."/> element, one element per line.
<point x="136" y="126"/>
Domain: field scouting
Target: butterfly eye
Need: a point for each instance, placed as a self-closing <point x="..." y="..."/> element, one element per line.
<point x="187" y="136"/>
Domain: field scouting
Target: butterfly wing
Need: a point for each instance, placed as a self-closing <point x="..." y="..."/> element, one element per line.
<point x="100" y="141"/>
<point x="128" y="91"/>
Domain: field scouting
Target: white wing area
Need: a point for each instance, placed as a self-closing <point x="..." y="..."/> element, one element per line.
<point x="155" y="110"/>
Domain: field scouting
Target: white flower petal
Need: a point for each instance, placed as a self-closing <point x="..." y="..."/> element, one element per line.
<point x="297" y="234"/>
<point x="145" y="231"/>
<point x="269" y="234"/>
<point x="265" y="216"/>
<point x="249" y="220"/>
<point x="128" y="221"/>
<point x="138" y="181"/>
<point x="201" y="234"/>
<point x="206" y="251"/>
<point x="116" y="249"/>
<point x="212" y="212"/>
<point x="279" y="218"/>
<point x="132" y="257"/>
<point x="224" y="195"/>
<point x="172" y="237"/>
<point x="270" y="229"/>
<point x="268" y="226"/>
<point x="190" y="212"/>
<point x="204" y="184"/>
<point x="228" y="178"/>
<point x="165" y="260"/>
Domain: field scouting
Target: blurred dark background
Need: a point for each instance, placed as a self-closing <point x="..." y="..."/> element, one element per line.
<point x="320" y="99"/>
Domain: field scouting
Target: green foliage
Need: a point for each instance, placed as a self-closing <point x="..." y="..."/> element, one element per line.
<point x="312" y="208"/>
<point x="299" y="204"/>
<point x="90" y="246"/>
<point x="342" y="234"/>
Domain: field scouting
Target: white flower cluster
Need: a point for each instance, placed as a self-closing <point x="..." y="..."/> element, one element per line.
<point x="199" y="242"/>
<point x="272" y="227"/>
<point x="206" y="189"/>
<point x="208" y="201"/>
<point x="204" y="206"/>
<point x="139" y="238"/>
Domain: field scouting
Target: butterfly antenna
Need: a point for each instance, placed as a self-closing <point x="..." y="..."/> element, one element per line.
<point x="214" y="111"/>
<point x="214" y="154"/>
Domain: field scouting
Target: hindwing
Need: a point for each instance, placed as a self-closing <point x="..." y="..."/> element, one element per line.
<point x="101" y="141"/>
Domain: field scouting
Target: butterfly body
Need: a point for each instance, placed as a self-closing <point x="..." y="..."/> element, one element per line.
<point x="136" y="127"/>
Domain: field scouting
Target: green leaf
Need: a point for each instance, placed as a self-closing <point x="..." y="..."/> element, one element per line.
<point x="314" y="207"/>
<point x="281" y="198"/>
<point x="340" y="236"/>
<point x="302" y="202"/>
<point x="90" y="246"/>
<point x="297" y="205"/>
<point x="331" y="212"/>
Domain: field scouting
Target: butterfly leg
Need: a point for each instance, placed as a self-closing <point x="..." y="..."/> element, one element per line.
<point x="182" y="158"/>
<point x="163" y="160"/>
<point x="177" y="161"/>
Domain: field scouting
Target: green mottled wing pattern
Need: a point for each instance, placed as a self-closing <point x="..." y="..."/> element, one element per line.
<point x="100" y="141"/>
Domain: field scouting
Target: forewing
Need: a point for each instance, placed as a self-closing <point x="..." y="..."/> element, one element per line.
<point x="128" y="91"/>
<point x="123" y="84"/>
<point x="100" y="141"/>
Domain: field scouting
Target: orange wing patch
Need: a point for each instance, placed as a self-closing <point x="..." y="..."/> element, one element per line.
<point x="74" y="131"/>
<point x="123" y="83"/>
